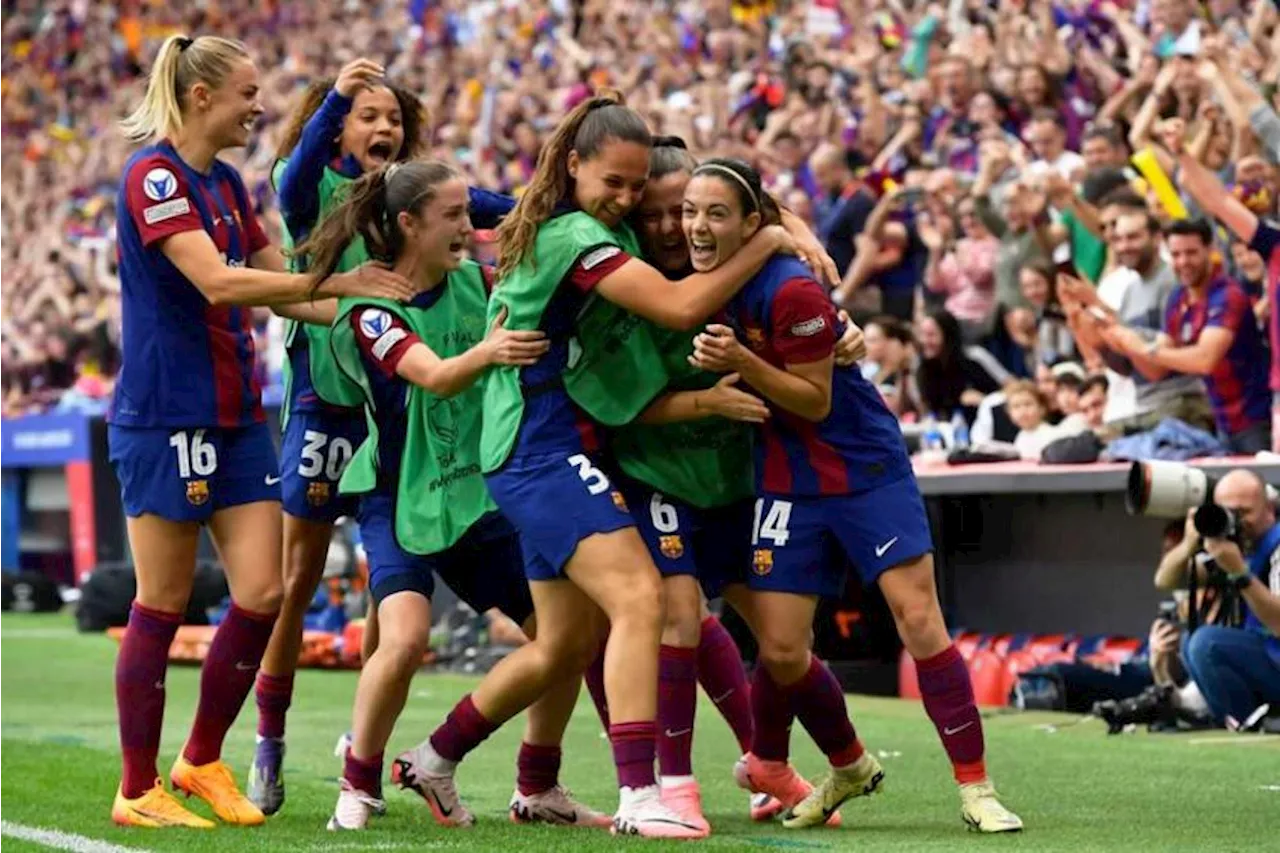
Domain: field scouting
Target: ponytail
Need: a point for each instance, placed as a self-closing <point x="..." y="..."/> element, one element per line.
<point x="585" y="129"/>
<point x="371" y="208"/>
<point x="181" y="63"/>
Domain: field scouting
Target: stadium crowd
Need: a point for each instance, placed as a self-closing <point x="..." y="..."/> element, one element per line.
<point x="969" y="166"/>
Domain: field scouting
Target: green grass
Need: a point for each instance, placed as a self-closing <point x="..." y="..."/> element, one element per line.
<point x="1076" y="788"/>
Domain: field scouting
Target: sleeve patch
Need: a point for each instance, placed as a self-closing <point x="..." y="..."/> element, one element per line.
<point x="598" y="256"/>
<point x="374" y="323"/>
<point x="159" y="184"/>
<point x="389" y="339"/>
<point x="165" y="210"/>
<point x="809" y="328"/>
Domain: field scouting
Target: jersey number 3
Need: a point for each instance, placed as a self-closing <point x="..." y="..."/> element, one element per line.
<point x="196" y="457"/>
<point x="593" y="477"/>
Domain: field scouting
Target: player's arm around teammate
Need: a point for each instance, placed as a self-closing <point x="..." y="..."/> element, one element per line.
<point x="187" y="435"/>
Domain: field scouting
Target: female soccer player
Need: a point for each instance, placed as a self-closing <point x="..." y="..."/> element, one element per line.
<point x="834" y="484"/>
<point x="539" y="452"/>
<point x="187" y="435"/>
<point x="424" y="506"/>
<point x="342" y="129"/>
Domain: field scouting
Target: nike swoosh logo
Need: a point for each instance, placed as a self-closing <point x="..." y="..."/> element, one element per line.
<point x="950" y="731"/>
<point x="717" y="700"/>
<point x="159" y="685"/>
<point x="440" y="805"/>
<point x="246" y="667"/>
<point x="271" y="481"/>
<point x="880" y="549"/>
<point x="567" y="817"/>
<point x="670" y="733"/>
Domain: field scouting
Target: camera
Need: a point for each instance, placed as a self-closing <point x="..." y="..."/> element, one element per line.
<point x="1167" y="489"/>
<point x="1216" y="522"/>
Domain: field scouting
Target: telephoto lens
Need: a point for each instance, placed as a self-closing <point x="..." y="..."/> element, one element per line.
<point x="1216" y="522"/>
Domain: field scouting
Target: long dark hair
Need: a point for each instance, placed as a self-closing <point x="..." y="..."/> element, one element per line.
<point x="585" y="129"/>
<point x="413" y="113"/>
<point x="370" y="209"/>
<point x="747" y="185"/>
<point x="670" y="154"/>
<point x="942" y="379"/>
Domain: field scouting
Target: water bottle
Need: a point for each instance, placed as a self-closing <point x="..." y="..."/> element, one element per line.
<point x="959" y="431"/>
<point x="932" y="439"/>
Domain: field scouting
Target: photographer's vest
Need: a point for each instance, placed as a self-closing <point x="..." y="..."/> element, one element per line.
<point x="439" y="490"/>
<point x="706" y="463"/>
<point x="330" y="384"/>
<point x="615" y="368"/>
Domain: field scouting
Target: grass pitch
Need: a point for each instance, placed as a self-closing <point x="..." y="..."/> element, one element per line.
<point x="1075" y="788"/>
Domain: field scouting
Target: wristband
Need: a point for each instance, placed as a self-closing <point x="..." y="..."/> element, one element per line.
<point x="1240" y="582"/>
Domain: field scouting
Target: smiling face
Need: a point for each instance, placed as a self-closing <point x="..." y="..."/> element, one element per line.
<point x="1025" y="410"/>
<point x="439" y="232"/>
<point x="373" y="131"/>
<point x="659" y="216"/>
<point x="609" y="185"/>
<point x="231" y="110"/>
<point x="714" y="222"/>
<point x="929" y="337"/>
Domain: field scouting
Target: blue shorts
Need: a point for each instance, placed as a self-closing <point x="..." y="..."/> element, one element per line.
<point x="713" y="545"/>
<point x="483" y="568"/>
<point x="189" y="474"/>
<point x="805" y="544"/>
<point x="556" y="501"/>
<point x="314" y="451"/>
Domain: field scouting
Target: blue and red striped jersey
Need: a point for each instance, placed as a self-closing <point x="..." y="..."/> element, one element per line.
<point x="1238" y="384"/>
<point x="185" y="362"/>
<point x="784" y="316"/>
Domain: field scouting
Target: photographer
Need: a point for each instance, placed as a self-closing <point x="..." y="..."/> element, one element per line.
<point x="1237" y="669"/>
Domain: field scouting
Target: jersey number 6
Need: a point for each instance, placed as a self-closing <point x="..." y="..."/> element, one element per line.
<point x="196" y="457"/>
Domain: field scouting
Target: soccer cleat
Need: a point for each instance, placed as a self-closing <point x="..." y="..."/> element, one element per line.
<point x="860" y="779"/>
<point x="340" y="751"/>
<point x="266" y="776"/>
<point x="777" y="779"/>
<point x="983" y="812"/>
<point x="642" y="812"/>
<point x="555" y="806"/>
<point x="214" y="784"/>
<point x="409" y="772"/>
<point x="764" y="807"/>
<point x="686" y="801"/>
<point x="353" y="809"/>
<point x="155" y="809"/>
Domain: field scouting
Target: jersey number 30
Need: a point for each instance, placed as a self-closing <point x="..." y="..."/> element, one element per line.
<point x="314" y="461"/>
<point x="196" y="457"/>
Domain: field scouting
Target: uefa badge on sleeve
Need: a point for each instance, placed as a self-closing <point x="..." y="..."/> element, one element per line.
<point x="198" y="492"/>
<point x="317" y="494"/>
<point x="762" y="561"/>
<point x="671" y="547"/>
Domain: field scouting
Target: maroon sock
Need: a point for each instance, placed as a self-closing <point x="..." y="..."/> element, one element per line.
<point x="462" y="731"/>
<point x="537" y="768"/>
<point x="274" y="693"/>
<point x="771" y="717"/>
<point x="677" y="703"/>
<point x="633" y="751"/>
<point x="363" y="774"/>
<point x="819" y="704"/>
<point x="948" y="700"/>
<point x="140" y="669"/>
<point x="724" y="679"/>
<point x="594" y="677"/>
<point x="226" y="679"/>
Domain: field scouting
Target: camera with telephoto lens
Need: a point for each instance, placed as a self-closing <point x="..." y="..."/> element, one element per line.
<point x="1169" y="489"/>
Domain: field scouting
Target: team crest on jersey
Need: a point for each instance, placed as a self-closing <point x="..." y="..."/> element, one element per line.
<point x="317" y="494"/>
<point x="159" y="184"/>
<point x="762" y="561"/>
<point x="198" y="492"/>
<point x="619" y="501"/>
<point x="671" y="547"/>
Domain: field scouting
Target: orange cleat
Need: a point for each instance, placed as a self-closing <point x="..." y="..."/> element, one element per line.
<point x="214" y="783"/>
<point x="155" y="809"/>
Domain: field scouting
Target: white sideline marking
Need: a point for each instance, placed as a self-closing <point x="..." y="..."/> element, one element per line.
<point x="62" y="840"/>
<point x="1232" y="740"/>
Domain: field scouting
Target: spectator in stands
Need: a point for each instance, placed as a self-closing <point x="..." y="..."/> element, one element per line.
<point x="844" y="205"/>
<point x="948" y="379"/>
<point x="1093" y="401"/>
<point x="1053" y="336"/>
<point x="1021" y="227"/>
<point x="1237" y="669"/>
<point x="1103" y="147"/>
<point x="888" y="362"/>
<point x="1046" y="134"/>
<point x="963" y="269"/>
<point x="1210" y="331"/>
<point x="1029" y="411"/>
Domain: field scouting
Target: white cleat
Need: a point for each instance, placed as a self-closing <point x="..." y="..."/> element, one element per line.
<point x="353" y="809"/>
<point x="983" y="812"/>
<point x="642" y="812"/>
<point x="412" y="771"/>
<point x="555" y="806"/>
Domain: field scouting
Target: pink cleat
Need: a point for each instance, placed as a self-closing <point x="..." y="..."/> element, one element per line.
<point x="778" y="779"/>
<point x="686" y="801"/>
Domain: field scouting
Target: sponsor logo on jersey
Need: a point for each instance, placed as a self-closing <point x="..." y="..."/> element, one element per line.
<point x="598" y="256"/>
<point x="809" y="328"/>
<point x="317" y="494"/>
<point x="159" y="184"/>
<point x="198" y="492"/>
<point x="762" y="561"/>
<point x="619" y="501"/>
<point x="671" y="547"/>
<point x="166" y="210"/>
